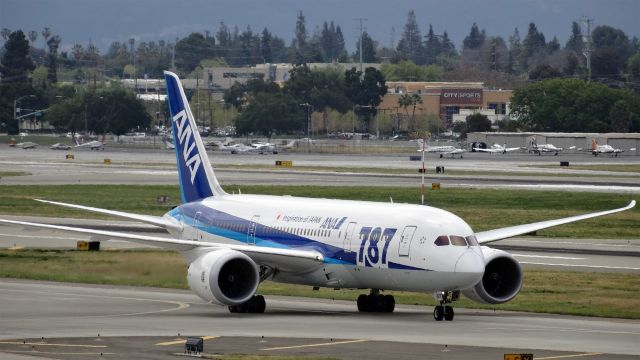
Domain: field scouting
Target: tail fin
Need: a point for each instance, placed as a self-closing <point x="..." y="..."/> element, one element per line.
<point x="594" y="144"/>
<point x="197" y="180"/>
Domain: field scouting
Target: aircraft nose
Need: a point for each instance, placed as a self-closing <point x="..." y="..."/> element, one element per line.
<point x="469" y="268"/>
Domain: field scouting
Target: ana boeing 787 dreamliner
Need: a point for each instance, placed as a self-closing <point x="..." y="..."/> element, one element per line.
<point x="233" y="242"/>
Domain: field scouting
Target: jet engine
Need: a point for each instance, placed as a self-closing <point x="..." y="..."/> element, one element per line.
<point x="225" y="276"/>
<point x="501" y="281"/>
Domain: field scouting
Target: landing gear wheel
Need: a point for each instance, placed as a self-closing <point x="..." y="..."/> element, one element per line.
<point x="362" y="303"/>
<point x="389" y="303"/>
<point x="438" y="313"/>
<point x="448" y="313"/>
<point x="255" y="305"/>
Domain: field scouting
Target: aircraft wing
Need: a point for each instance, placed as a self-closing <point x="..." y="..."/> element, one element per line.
<point x="511" y="231"/>
<point x="487" y="150"/>
<point x="148" y="219"/>
<point x="286" y="259"/>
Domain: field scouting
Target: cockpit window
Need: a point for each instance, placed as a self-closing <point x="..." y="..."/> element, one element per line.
<point x="458" y="240"/>
<point x="442" y="240"/>
<point x="472" y="241"/>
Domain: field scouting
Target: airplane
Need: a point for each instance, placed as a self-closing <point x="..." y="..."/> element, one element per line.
<point x="232" y="242"/>
<point x="442" y="150"/>
<point x="496" y="148"/>
<point x="60" y="146"/>
<point x="604" y="149"/>
<point x="27" y="145"/>
<point x="168" y="145"/>
<point x="539" y="149"/>
<point x="93" y="145"/>
<point x="262" y="147"/>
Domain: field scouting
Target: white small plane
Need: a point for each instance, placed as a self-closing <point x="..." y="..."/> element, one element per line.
<point x="604" y="149"/>
<point x="92" y="145"/>
<point x="440" y="149"/>
<point x="27" y="145"/>
<point x="540" y="149"/>
<point x="232" y="242"/>
<point x="60" y="146"/>
<point x="497" y="149"/>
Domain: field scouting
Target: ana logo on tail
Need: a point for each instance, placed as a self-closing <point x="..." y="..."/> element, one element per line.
<point x="185" y="135"/>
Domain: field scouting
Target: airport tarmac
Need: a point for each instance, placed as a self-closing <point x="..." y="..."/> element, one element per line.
<point x="49" y="167"/>
<point x="33" y="310"/>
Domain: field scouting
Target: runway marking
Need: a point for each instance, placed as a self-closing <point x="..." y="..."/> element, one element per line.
<point x="314" y="345"/>
<point x="51" y="344"/>
<point x="182" y="341"/>
<point x="583" y="266"/>
<point x="181" y="305"/>
<point x="43" y="237"/>
<point x="54" y="353"/>
<point x="568" y="356"/>
<point x="549" y="257"/>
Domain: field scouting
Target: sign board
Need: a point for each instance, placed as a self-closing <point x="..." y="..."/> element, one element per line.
<point x="284" y="163"/>
<point x="461" y="97"/>
<point x="518" y="356"/>
<point x="435" y="186"/>
<point x="107" y="161"/>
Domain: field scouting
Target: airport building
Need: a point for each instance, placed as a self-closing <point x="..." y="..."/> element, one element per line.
<point x="451" y="101"/>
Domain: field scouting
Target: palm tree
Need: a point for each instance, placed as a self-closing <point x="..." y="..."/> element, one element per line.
<point x="33" y="36"/>
<point x="407" y="100"/>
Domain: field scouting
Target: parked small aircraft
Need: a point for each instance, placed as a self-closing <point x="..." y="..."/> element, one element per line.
<point x="60" y="146"/>
<point x="93" y="145"/>
<point x="441" y="149"/>
<point x="27" y="145"/>
<point x="497" y="149"/>
<point x="604" y="149"/>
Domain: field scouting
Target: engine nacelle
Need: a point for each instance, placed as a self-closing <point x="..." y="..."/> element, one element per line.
<point x="502" y="279"/>
<point x="225" y="276"/>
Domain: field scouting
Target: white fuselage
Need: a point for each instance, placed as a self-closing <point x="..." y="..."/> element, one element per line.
<point x="364" y="244"/>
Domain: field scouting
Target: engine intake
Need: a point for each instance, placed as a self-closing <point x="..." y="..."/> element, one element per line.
<point x="224" y="276"/>
<point x="502" y="279"/>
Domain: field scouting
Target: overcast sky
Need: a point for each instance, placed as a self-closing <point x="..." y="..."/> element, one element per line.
<point x="105" y="21"/>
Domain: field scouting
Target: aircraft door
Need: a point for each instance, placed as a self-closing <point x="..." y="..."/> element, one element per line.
<point x="196" y="236"/>
<point x="251" y="231"/>
<point x="348" y="234"/>
<point x="405" y="240"/>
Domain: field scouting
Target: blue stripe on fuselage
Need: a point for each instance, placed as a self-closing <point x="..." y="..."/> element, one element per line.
<point x="222" y="224"/>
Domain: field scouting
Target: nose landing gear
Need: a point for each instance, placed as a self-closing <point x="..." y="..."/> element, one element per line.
<point x="442" y="311"/>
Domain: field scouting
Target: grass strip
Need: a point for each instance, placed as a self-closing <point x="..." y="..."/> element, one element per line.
<point x="561" y="292"/>
<point x="13" y="173"/>
<point x="483" y="209"/>
<point x="631" y="168"/>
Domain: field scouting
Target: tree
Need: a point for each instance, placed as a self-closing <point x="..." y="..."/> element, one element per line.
<point x="408" y="71"/>
<point x="5" y="32"/>
<point x="191" y="50"/>
<point x="543" y="71"/>
<point x="534" y="45"/>
<point x="571" y="105"/>
<point x="368" y="49"/>
<point x="620" y="117"/>
<point x="478" y="123"/>
<point x="46" y="32"/>
<point x="410" y="45"/>
<point x="299" y="42"/>
<point x="475" y="39"/>
<point x="270" y="113"/>
<point x="366" y="91"/>
<point x="33" y="36"/>
<point x="515" y="52"/>
<point x="52" y="59"/>
<point x="575" y="42"/>
<point x="16" y="63"/>
<point x="432" y="47"/>
<point x="633" y="67"/>
<point x="405" y="101"/>
<point x="611" y="50"/>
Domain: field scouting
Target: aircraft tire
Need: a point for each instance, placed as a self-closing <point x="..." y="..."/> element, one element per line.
<point x="372" y="303"/>
<point x="233" y="309"/>
<point x="438" y="313"/>
<point x="389" y="303"/>
<point x="362" y="303"/>
<point x="448" y="313"/>
<point x="260" y="303"/>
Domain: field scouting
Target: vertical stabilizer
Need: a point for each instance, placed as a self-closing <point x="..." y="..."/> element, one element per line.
<point x="197" y="180"/>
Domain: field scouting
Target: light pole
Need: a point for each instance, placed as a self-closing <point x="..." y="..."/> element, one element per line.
<point x="15" y="104"/>
<point x="308" y="106"/>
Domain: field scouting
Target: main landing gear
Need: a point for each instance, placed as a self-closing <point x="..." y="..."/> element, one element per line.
<point x="442" y="311"/>
<point x="255" y="305"/>
<point x="376" y="302"/>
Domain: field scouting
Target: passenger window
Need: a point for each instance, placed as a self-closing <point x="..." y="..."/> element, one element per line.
<point x="472" y="241"/>
<point x="458" y="240"/>
<point x="442" y="240"/>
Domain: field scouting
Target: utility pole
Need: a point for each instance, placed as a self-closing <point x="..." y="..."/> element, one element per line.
<point x="361" y="31"/>
<point x="587" y="43"/>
